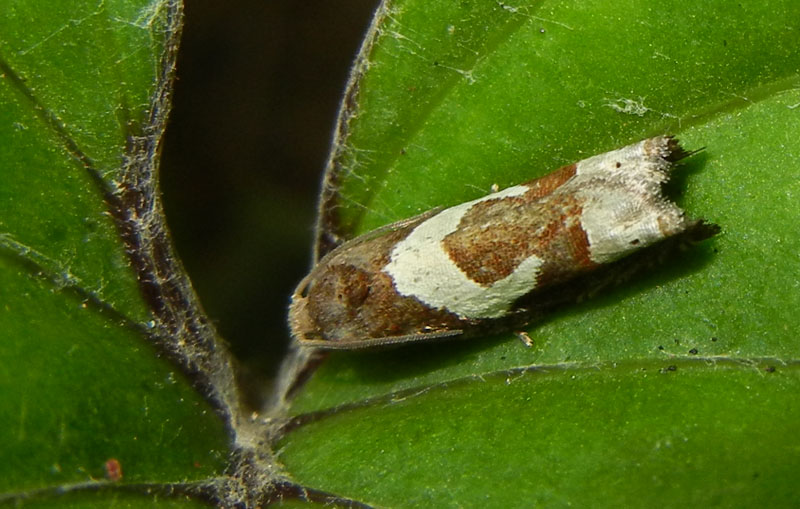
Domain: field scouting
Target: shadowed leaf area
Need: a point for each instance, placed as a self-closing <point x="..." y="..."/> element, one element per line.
<point x="677" y="388"/>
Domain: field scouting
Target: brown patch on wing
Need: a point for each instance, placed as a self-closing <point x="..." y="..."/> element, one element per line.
<point x="351" y="298"/>
<point x="545" y="185"/>
<point x="495" y="236"/>
<point x="567" y="255"/>
<point x="579" y="246"/>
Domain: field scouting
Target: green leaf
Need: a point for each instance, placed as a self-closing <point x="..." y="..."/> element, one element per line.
<point x="679" y="387"/>
<point x="104" y="499"/>
<point x="81" y="383"/>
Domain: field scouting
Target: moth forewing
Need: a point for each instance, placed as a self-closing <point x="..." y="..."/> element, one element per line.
<point x="474" y="266"/>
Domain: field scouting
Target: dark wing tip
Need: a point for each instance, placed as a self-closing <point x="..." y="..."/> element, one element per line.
<point x="701" y="230"/>
<point x="676" y="152"/>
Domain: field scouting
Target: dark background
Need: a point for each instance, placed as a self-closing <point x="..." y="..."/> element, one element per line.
<point x="257" y="92"/>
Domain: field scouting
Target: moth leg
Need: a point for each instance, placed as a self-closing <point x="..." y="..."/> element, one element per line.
<point x="525" y="338"/>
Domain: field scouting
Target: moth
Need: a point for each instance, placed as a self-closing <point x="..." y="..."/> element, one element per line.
<point x="498" y="262"/>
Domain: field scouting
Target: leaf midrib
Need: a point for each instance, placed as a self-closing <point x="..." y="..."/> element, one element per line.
<point x="667" y="366"/>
